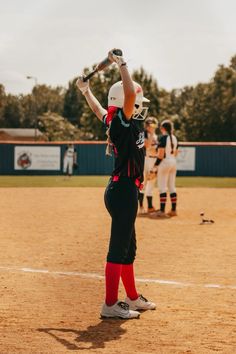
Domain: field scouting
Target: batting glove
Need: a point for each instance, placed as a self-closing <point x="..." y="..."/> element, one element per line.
<point x="82" y="86"/>
<point x="116" y="58"/>
<point x="154" y="169"/>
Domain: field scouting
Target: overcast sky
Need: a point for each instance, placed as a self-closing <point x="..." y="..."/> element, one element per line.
<point x="180" y="42"/>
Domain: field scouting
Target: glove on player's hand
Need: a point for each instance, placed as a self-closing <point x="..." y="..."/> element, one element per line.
<point x="115" y="58"/>
<point x="82" y="86"/>
<point x="152" y="174"/>
<point x="75" y="165"/>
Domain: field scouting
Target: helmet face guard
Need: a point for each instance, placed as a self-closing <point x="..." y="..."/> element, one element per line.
<point x="140" y="113"/>
<point x="116" y="98"/>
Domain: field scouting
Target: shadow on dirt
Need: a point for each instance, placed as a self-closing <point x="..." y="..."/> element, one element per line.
<point x="91" y="338"/>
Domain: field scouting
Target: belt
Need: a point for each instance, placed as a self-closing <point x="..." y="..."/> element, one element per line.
<point x="153" y="157"/>
<point x="136" y="181"/>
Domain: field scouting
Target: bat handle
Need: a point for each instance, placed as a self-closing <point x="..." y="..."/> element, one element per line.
<point x="86" y="78"/>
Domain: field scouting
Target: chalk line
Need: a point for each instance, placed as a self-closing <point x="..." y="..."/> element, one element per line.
<point x="98" y="276"/>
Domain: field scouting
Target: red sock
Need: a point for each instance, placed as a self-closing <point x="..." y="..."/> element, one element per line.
<point x="127" y="276"/>
<point x="112" y="273"/>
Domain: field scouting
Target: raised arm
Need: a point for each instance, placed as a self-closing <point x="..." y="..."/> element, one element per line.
<point x="93" y="103"/>
<point x="129" y="90"/>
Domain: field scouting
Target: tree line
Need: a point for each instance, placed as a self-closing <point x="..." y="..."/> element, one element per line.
<point x="205" y="112"/>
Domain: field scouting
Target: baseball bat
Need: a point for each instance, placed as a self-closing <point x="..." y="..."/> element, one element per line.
<point x="102" y="65"/>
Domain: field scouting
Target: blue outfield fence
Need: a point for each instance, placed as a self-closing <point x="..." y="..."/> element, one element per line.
<point x="46" y="158"/>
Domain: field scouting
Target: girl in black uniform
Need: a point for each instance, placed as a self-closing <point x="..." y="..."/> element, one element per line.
<point x="121" y="196"/>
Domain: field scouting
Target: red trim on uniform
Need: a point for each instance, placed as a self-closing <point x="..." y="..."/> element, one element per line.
<point x="128" y="168"/>
<point x="139" y="89"/>
<point x="136" y="181"/>
<point x="111" y="111"/>
<point x="115" y="150"/>
<point x="138" y="184"/>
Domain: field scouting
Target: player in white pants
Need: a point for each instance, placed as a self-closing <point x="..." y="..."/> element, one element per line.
<point x="151" y="125"/>
<point x="166" y="162"/>
<point x="69" y="160"/>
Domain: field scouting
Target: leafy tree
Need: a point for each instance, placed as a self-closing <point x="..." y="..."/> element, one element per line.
<point x="73" y="107"/>
<point x="55" y="127"/>
<point x="48" y="99"/>
<point x="210" y="112"/>
<point x="29" y="105"/>
<point x="12" y="113"/>
<point x="150" y="90"/>
<point x="205" y="112"/>
<point x="2" y="103"/>
<point x="42" y="99"/>
<point x="233" y="63"/>
<point x="223" y="104"/>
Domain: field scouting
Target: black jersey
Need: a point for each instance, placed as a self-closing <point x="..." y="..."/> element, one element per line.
<point x="169" y="144"/>
<point x="162" y="141"/>
<point x="128" y="145"/>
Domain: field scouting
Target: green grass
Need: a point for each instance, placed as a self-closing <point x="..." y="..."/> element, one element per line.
<point x="101" y="181"/>
<point x="53" y="181"/>
<point x="208" y="182"/>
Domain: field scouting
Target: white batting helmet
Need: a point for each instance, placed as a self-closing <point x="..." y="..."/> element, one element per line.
<point x="116" y="98"/>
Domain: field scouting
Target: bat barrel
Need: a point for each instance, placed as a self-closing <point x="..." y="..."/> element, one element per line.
<point x="102" y="65"/>
<point x="118" y="52"/>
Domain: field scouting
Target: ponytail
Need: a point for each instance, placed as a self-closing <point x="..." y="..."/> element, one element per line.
<point x="168" y="127"/>
<point x="171" y="142"/>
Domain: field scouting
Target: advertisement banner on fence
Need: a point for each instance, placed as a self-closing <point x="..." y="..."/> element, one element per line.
<point x="186" y="159"/>
<point x="44" y="158"/>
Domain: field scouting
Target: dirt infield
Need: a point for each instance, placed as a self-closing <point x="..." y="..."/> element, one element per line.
<point x="53" y="246"/>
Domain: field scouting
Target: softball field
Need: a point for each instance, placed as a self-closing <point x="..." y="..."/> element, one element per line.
<point x="53" y="248"/>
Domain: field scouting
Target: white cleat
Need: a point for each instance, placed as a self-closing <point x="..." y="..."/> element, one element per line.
<point x="119" y="310"/>
<point x="140" y="304"/>
<point x="159" y="215"/>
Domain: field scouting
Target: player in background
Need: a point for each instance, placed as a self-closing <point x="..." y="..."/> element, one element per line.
<point x="166" y="163"/>
<point x="125" y="103"/>
<point x="69" y="160"/>
<point x="150" y="142"/>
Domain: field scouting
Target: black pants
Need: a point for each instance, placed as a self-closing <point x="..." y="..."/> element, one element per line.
<point x="121" y="200"/>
